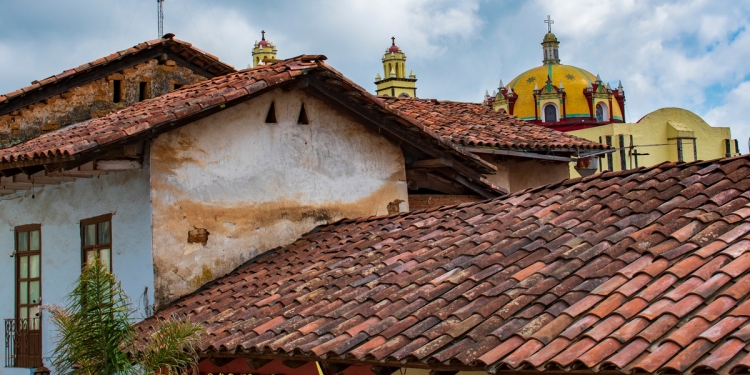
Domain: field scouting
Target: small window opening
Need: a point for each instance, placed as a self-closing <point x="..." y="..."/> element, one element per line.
<point x="142" y="91"/>
<point x="302" y="119"/>
<point x="116" y="91"/>
<point x="550" y="113"/>
<point x="177" y="86"/>
<point x="271" y="116"/>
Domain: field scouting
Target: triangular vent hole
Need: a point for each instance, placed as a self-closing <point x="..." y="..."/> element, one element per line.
<point x="302" y="119"/>
<point x="271" y="116"/>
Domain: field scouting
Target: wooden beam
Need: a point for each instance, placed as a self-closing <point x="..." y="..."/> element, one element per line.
<point x="529" y="155"/>
<point x="10" y="172"/>
<point x="6" y="191"/>
<point x="117" y="165"/>
<point x="432" y="163"/>
<point x="32" y="169"/>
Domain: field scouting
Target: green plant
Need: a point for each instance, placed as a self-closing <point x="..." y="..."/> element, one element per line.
<point x="96" y="334"/>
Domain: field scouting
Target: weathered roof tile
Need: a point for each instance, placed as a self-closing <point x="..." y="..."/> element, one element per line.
<point x="511" y="301"/>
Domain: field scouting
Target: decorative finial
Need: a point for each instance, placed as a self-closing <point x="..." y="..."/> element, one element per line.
<point x="501" y="85"/>
<point x="549" y="23"/>
<point x="263" y="35"/>
<point x="619" y="85"/>
<point x="486" y="94"/>
<point x="561" y="85"/>
<point x="393" y="41"/>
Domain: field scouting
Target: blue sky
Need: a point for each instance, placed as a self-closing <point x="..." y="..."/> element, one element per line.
<point x="691" y="54"/>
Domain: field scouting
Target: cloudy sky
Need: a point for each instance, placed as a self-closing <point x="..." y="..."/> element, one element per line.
<point x="690" y="54"/>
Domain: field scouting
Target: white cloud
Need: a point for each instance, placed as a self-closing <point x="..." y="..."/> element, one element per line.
<point x="733" y="113"/>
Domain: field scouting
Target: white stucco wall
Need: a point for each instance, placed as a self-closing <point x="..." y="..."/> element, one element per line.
<point x="59" y="209"/>
<point x="255" y="186"/>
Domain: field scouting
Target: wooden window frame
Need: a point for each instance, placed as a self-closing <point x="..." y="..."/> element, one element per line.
<point x="97" y="245"/>
<point x="17" y="267"/>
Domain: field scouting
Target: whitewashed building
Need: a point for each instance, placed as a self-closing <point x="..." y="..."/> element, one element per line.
<point x="180" y="189"/>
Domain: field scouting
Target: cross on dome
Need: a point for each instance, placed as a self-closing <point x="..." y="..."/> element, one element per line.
<point x="549" y="23"/>
<point x="263" y="35"/>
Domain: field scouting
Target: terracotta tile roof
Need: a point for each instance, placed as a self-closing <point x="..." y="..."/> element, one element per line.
<point x="471" y="124"/>
<point x="150" y="114"/>
<point x="182" y="49"/>
<point x="643" y="270"/>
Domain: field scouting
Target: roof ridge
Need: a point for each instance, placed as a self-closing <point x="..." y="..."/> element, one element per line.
<point x="103" y="61"/>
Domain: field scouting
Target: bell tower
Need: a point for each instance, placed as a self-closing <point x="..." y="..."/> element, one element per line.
<point x="263" y="50"/>
<point x="395" y="82"/>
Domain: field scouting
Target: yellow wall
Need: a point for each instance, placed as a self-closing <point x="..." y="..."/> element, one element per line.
<point x="651" y="135"/>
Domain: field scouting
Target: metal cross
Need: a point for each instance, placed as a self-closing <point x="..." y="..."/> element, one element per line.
<point x="549" y="23"/>
<point x="393" y="40"/>
<point x="263" y="34"/>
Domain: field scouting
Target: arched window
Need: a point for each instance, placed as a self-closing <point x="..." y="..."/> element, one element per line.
<point x="550" y="113"/>
<point x="602" y="114"/>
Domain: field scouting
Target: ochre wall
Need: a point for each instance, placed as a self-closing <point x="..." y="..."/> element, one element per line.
<point x="256" y="186"/>
<point x="516" y="174"/>
<point x="651" y="135"/>
<point x="94" y="99"/>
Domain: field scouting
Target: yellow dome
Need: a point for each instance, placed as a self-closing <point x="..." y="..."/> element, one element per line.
<point x="573" y="79"/>
<point x="549" y="37"/>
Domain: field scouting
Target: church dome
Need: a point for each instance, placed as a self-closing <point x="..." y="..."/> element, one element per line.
<point x="559" y="96"/>
<point x="574" y="81"/>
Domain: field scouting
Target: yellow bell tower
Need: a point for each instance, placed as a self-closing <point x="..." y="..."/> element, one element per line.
<point x="395" y="82"/>
<point x="263" y="50"/>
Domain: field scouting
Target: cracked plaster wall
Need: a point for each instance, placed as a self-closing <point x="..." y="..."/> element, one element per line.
<point x="254" y="186"/>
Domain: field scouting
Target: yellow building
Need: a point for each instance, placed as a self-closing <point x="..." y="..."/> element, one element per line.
<point x="667" y="134"/>
<point x="573" y="100"/>
<point x="263" y="50"/>
<point x="395" y="82"/>
<point x="561" y="97"/>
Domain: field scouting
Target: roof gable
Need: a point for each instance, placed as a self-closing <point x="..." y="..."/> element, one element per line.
<point x="643" y="270"/>
<point x="183" y="53"/>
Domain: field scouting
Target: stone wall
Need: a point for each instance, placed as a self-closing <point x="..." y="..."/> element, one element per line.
<point x="94" y="99"/>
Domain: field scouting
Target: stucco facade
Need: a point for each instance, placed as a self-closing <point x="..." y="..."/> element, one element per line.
<point x="657" y="135"/>
<point x="254" y="186"/>
<point x="59" y="209"/>
<point x="516" y="174"/>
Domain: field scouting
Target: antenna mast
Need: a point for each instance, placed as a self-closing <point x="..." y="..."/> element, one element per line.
<point x="161" y="17"/>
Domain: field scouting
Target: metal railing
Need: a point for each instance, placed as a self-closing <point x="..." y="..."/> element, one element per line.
<point x="23" y="343"/>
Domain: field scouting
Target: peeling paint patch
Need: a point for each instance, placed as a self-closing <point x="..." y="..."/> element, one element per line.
<point x="198" y="235"/>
